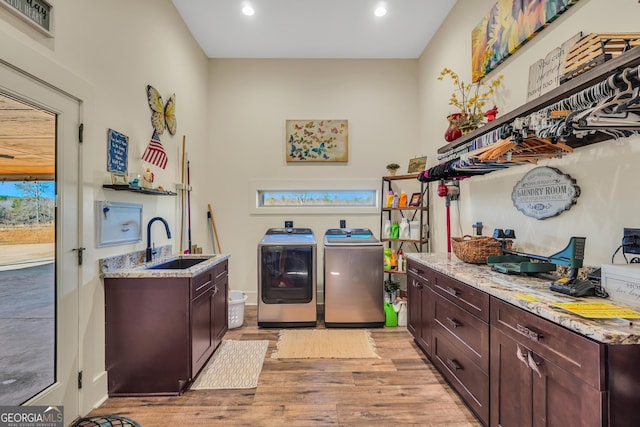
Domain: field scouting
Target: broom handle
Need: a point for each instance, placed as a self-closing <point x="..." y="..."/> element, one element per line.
<point x="215" y="231"/>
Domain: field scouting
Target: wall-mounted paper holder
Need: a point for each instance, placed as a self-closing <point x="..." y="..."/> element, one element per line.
<point x="118" y="223"/>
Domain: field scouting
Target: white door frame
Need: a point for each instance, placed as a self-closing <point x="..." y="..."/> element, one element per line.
<point x="17" y="83"/>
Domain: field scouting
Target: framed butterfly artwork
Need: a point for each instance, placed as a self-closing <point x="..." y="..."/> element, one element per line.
<point x="317" y="141"/>
<point x="162" y="115"/>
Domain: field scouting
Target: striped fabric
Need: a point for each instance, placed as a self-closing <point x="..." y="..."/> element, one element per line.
<point x="155" y="153"/>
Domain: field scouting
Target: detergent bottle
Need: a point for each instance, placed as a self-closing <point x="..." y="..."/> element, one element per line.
<point x="390" y="316"/>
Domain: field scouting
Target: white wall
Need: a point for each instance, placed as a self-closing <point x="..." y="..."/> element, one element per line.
<point x="250" y="100"/>
<point x="606" y="172"/>
<point x="105" y="53"/>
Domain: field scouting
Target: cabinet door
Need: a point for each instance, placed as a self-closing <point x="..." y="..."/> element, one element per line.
<point x="201" y="330"/>
<point x="562" y="399"/>
<point x="413" y="305"/>
<point x="426" y="318"/>
<point x="219" y="314"/>
<point x="510" y="382"/>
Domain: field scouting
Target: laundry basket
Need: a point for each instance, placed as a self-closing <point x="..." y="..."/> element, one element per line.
<point x="236" y="308"/>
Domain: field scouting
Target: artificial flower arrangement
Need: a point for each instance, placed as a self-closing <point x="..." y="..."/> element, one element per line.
<point x="471" y="98"/>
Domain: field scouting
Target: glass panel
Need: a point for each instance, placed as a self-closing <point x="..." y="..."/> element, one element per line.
<point x="302" y="198"/>
<point x="287" y="274"/>
<point x="27" y="257"/>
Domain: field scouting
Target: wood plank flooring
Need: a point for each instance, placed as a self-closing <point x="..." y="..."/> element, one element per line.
<point x="401" y="388"/>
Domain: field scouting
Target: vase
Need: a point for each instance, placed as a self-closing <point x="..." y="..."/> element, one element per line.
<point x="453" y="132"/>
<point x="392" y="172"/>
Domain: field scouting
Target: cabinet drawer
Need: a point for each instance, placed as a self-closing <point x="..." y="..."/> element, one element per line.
<point x="220" y="270"/>
<point x="466" y="377"/>
<point x="202" y="283"/>
<point x="467" y="332"/>
<point x="570" y="351"/>
<point x="473" y="300"/>
<point x="420" y="272"/>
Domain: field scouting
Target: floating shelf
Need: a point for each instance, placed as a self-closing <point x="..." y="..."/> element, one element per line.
<point x="139" y="190"/>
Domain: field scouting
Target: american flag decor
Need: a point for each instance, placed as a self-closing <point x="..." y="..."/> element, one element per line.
<point x="155" y="153"/>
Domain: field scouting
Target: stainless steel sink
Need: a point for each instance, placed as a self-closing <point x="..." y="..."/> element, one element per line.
<point x="178" y="264"/>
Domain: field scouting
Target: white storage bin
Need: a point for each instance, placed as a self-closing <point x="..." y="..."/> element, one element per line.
<point x="236" y="308"/>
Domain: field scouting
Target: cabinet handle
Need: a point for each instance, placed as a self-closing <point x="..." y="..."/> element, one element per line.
<point x="453" y="364"/>
<point x="520" y="355"/>
<point x="452" y="291"/>
<point x="454" y="322"/>
<point x="215" y="290"/>
<point x="532" y="335"/>
<point x="533" y="365"/>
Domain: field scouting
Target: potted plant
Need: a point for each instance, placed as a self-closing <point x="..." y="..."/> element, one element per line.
<point x="391" y="288"/>
<point x="392" y="168"/>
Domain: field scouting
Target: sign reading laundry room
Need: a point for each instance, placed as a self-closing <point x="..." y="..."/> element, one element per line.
<point x="317" y="141"/>
<point x="545" y="192"/>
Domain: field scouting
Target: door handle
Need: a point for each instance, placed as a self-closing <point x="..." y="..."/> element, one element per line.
<point x="454" y="322"/>
<point x="453" y="364"/>
<point x="520" y="355"/>
<point x="533" y="365"/>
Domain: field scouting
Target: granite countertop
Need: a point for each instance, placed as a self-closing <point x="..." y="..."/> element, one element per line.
<point x="515" y="288"/>
<point x="132" y="265"/>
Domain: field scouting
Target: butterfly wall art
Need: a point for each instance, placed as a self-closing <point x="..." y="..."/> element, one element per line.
<point x="317" y="141"/>
<point x="162" y="114"/>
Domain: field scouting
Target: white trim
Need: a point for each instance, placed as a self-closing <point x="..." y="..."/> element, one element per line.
<point x="317" y="184"/>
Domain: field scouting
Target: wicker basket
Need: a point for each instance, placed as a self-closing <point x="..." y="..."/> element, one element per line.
<point x="476" y="249"/>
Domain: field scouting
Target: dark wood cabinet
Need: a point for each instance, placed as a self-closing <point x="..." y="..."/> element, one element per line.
<point x="460" y="341"/>
<point x="514" y="368"/>
<point x="208" y="314"/>
<point x="529" y="390"/>
<point x="419" y="305"/>
<point x="161" y="331"/>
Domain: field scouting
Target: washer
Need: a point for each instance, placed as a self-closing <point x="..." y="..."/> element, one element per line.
<point x="353" y="278"/>
<point x="287" y="284"/>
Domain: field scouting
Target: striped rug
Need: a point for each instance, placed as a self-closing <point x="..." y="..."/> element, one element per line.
<point x="235" y="364"/>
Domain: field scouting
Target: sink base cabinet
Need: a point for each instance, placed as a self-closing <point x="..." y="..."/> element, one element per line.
<point x="515" y="369"/>
<point x="160" y="332"/>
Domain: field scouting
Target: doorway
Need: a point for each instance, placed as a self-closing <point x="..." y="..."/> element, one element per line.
<point x="39" y="170"/>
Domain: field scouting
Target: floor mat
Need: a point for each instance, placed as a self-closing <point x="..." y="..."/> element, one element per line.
<point x="325" y="344"/>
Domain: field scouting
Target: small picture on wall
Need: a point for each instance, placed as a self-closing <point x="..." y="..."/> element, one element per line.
<point x="416" y="199"/>
<point x="117" y="152"/>
<point x="417" y="164"/>
<point x="317" y="141"/>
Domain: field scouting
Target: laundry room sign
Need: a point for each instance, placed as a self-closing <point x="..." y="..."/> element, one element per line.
<point x="545" y="192"/>
<point x="36" y="12"/>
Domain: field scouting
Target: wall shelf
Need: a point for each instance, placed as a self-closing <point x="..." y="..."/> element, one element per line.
<point x="139" y="190"/>
<point x="589" y="78"/>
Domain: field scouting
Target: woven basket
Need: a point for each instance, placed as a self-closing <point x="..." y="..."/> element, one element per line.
<point x="476" y="249"/>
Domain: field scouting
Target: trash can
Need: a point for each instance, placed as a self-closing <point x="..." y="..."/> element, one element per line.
<point x="236" y="308"/>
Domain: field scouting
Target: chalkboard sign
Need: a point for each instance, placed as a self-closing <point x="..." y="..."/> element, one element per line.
<point x="117" y="152"/>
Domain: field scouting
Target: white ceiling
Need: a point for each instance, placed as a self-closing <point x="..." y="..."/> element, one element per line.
<point x="313" y="28"/>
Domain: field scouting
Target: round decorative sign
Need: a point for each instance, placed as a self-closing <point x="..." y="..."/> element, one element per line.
<point x="544" y="192"/>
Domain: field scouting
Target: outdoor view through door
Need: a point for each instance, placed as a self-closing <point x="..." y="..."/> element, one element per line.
<point x="27" y="250"/>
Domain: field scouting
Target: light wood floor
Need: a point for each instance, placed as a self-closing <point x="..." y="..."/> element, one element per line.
<point x="400" y="389"/>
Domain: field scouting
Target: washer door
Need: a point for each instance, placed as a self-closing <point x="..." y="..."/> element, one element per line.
<point x="286" y="274"/>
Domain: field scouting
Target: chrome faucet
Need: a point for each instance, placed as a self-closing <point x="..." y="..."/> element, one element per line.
<point x="150" y="250"/>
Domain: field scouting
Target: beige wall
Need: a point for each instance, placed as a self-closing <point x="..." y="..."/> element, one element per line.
<point x="606" y="172"/>
<point x="250" y="100"/>
<point x="104" y="54"/>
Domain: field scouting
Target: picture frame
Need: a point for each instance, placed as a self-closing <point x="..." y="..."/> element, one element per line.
<point x="417" y="164"/>
<point x="317" y="141"/>
<point x="119" y="179"/>
<point x="416" y="200"/>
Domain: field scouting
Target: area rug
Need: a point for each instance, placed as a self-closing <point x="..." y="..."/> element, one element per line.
<point x="235" y="364"/>
<point x="325" y="344"/>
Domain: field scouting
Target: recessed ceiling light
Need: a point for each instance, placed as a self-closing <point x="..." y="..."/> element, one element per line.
<point x="248" y="10"/>
<point x="380" y="11"/>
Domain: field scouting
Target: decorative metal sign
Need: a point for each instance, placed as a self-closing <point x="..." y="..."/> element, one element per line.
<point x="544" y="192"/>
<point x="36" y="12"/>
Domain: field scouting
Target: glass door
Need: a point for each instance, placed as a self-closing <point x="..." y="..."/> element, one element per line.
<point x="39" y="228"/>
